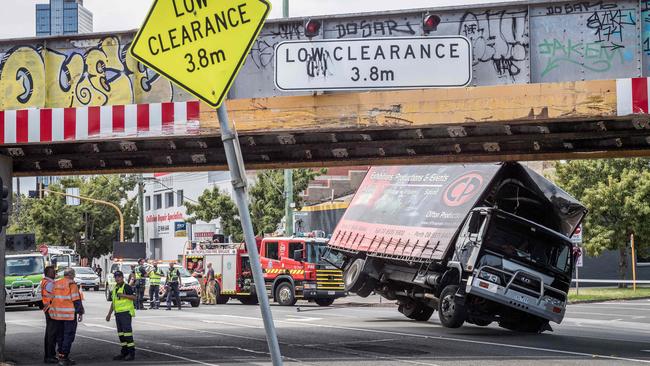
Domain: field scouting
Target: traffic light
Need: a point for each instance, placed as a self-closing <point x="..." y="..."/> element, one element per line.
<point x="312" y="28"/>
<point x="4" y="205"/>
<point x="430" y="23"/>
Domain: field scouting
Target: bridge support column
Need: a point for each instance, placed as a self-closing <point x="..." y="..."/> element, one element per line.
<point x="6" y="173"/>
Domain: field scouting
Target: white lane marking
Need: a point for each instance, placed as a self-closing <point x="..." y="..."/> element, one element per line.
<point x="233" y="324"/>
<point x="297" y="318"/>
<point x="602" y="314"/>
<point x="461" y="340"/>
<point x="140" y="349"/>
<point x="91" y="325"/>
<point x="144" y="349"/>
<point x="479" y="342"/>
<point x="614" y="308"/>
<point x="223" y="334"/>
<point x="229" y="347"/>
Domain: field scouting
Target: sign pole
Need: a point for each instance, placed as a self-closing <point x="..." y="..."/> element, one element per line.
<point x="238" y="175"/>
<point x="633" y="263"/>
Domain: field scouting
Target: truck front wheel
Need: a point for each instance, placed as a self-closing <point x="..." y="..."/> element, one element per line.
<point x="451" y="314"/>
<point x="284" y="294"/>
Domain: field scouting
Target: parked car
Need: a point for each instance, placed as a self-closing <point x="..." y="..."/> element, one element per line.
<point x="85" y="277"/>
<point x="190" y="291"/>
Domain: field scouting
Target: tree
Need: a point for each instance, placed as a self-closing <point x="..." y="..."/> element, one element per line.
<point x="90" y="227"/>
<point x="266" y="202"/>
<point x="617" y="194"/>
<point x="267" y="196"/>
<point x="214" y="204"/>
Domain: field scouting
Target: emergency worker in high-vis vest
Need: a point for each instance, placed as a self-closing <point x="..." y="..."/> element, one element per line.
<point x="123" y="297"/>
<point x="155" y="274"/>
<point x="66" y="307"/>
<point x="52" y="326"/>
<point x="140" y="284"/>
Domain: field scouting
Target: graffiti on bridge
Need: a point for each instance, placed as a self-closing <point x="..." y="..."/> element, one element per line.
<point x="579" y="7"/>
<point x="263" y="51"/>
<point x="592" y="56"/>
<point x="103" y="74"/>
<point x="609" y="25"/>
<point x="499" y="38"/>
<point x="379" y="28"/>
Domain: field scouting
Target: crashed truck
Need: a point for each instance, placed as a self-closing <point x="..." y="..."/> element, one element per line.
<point x="480" y="243"/>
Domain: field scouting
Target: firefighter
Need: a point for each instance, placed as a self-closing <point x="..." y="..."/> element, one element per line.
<point x="122" y="298"/>
<point x="140" y="283"/>
<point x="211" y="285"/>
<point x="66" y="306"/>
<point x="155" y="274"/>
<point x="173" y="282"/>
<point x="52" y="326"/>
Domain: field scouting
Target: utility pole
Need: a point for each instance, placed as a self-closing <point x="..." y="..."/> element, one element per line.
<point x="288" y="202"/>
<point x="288" y="173"/>
<point x="285" y="8"/>
<point x="141" y="212"/>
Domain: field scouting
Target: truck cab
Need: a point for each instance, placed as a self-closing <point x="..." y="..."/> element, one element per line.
<point x="23" y="275"/>
<point x="509" y="262"/>
<point x="298" y="268"/>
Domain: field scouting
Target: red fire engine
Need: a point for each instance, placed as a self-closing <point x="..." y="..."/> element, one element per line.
<point x="294" y="268"/>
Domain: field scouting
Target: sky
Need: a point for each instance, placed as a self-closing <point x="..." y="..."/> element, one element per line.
<point x="17" y="16"/>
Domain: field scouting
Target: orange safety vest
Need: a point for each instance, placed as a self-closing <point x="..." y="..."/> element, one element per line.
<point x="46" y="296"/>
<point x="62" y="304"/>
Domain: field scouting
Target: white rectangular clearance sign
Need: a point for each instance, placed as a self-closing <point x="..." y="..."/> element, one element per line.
<point x="384" y="63"/>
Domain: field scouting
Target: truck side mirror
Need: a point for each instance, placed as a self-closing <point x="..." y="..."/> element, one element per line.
<point x="297" y="255"/>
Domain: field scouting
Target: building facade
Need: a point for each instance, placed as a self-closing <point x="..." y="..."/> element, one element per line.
<point x="61" y="17"/>
<point x="166" y="230"/>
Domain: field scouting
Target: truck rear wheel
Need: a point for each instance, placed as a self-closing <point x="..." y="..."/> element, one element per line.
<point x="415" y="310"/>
<point x="324" y="301"/>
<point x="451" y="314"/>
<point x="221" y="299"/>
<point x="284" y="294"/>
<point x="354" y="277"/>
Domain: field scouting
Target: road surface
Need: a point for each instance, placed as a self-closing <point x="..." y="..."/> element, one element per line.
<point x="614" y="333"/>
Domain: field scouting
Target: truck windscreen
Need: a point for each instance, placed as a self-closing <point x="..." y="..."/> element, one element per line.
<point x="23" y="266"/>
<point x="319" y="252"/>
<point x="521" y="242"/>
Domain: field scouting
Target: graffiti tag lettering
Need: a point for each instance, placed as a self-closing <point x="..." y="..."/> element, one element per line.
<point x="592" y="56"/>
<point x="499" y="38"/>
<point x="101" y="75"/>
<point x="365" y="29"/>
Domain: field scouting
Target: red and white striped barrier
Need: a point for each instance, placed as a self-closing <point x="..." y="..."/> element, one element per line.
<point x="632" y="96"/>
<point x="43" y="125"/>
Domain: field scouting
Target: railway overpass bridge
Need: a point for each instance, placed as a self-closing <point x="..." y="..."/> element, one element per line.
<point x="551" y="80"/>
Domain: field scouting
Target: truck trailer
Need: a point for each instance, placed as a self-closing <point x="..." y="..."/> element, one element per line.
<point x="480" y="243"/>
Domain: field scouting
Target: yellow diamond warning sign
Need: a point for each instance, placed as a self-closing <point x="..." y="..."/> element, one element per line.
<point x="200" y="44"/>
